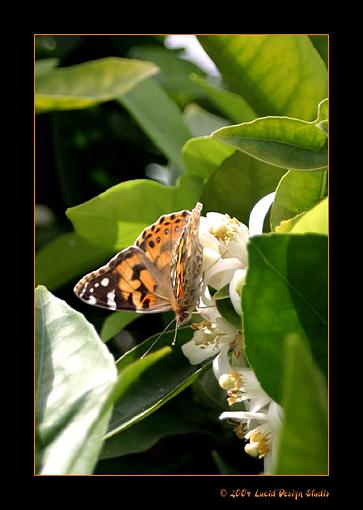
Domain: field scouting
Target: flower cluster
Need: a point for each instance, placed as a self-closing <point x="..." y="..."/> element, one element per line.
<point x="225" y="260"/>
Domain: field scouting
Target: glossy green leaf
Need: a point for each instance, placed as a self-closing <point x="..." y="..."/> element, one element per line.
<point x="285" y="293"/>
<point x="89" y="83"/>
<point x="231" y="105"/>
<point x="238" y="184"/>
<point x="174" y="75"/>
<point x="226" y="309"/>
<point x="281" y="141"/>
<point x="169" y="420"/>
<point x="321" y="44"/>
<point x="116" y="217"/>
<point x="303" y="446"/>
<point x="154" y="388"/>
<point x="66" y="258"/>
<point x="296" y="193"/>
<point x="75" y="375"/>
<point x="275" y="74"/>
<point x="287" y="225"/>
<point x="201" y="122"/>
<point x="202" y="156"/>
<point x="115" y="323"/>
<point x="315" y="220"/>
<point x="148" y="103"/>
<point x="222" y="293"/>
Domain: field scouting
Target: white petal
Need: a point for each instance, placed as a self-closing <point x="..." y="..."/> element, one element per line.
<point x="221" y="363"/>
<point x="233" y="415"/>
<point x="235" y="287"/>
<point x="210" y="257"/>
<point x="275" y="415"/>
<point x="220" y="274"/>
<point x="197" y="354"/>
<point x="258" y="213"/>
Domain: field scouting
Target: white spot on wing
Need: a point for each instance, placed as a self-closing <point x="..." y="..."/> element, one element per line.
<point x="111" y="299"/>
<point x="105" y="282"/>
<point x="97" y="284"/>
<point x="92" y="300"/>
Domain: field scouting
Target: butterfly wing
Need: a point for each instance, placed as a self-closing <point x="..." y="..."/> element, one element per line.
<point x="130" y="281"/>
<point x="186" y="266"/>
<point x="158" y="240"/>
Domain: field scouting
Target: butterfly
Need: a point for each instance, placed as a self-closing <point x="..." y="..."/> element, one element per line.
<point x="161" y="272"/>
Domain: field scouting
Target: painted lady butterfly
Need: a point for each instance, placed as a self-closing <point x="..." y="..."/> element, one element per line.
<point x="161" y="272"/>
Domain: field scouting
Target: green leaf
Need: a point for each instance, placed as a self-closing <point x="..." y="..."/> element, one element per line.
<point x="321" y="44"/>
<point x="281" y="141"/>
<point x="222" y="293"/>
<point x="303" y="447"/>
<point x="65" y="258"/>
<point x="316" y="220"/>
<point x="296" y="193"/>
<point x="174" y="72"/>
<point x="75" y="375"/>
<point x="116" y="217"/>
<point x="275" y="74"/>
<point x="169" y="420"/>
<point x="200" y="122"/>
<point x="84" y="85"/>
<point x="226" y="309"/>
<point x="202" y="156"/>
<point x="45" y="66"/>
<point x="153" y="389"/>
<point x="147" y="103"/>
<point x="115" y="323"/>
<point x="238" y="184"/>
<point x="287" y="225"/>
<point x="285" y="293"/>
<point x="231" y="105"/>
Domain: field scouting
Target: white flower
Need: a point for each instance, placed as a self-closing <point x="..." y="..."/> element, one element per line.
<point x="209" y="339"/>
<point x="260" y="423"/>
<point x="224" y="235"/>
<point x="224" y="240"/>
<point x="235" y="287"/>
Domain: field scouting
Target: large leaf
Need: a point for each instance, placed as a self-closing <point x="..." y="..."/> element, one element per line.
<point x="174" y="72"/>
<point x="231" y="105"/>
<point x="296" y="193"/>
<point x="65" y="258"/>
<point x="116" y="217"/>
<point x="204" y="155"/>
<point x="201" y="122"/>
<point x="275" y="74"/>
<point x="303" y="446"/>
<point x="89" y="83"/>
<point x="172" y="419"/>
<point x="321" y="43"/>
<point x="148" y="103"/>
<point x="281" y="141"/>
<point x="75" y="375"/>
<point x="285" y="293"/>
<point x="315" y="220"/>
<point x="154" y="388"/>
<point x="238" y="184"/>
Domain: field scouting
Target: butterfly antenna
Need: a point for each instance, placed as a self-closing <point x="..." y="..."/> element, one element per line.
<point x="157" y="338"/>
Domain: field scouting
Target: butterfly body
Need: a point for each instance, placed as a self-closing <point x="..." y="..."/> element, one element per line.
<point x="162" y="271"/>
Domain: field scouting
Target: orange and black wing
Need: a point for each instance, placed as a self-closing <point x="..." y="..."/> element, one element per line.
<point x="130" y="281"/>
